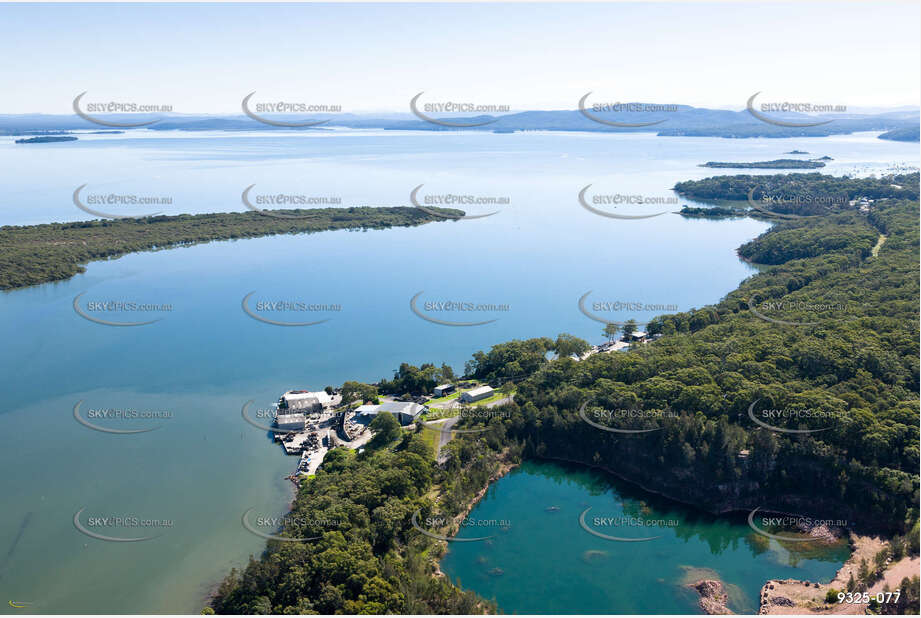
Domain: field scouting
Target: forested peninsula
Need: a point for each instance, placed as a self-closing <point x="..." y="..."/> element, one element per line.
<point x="33" y="254"/>
<point x="846" y="346"/>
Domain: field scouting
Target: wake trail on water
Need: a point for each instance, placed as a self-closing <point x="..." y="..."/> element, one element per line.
<point x="12" y="549"/>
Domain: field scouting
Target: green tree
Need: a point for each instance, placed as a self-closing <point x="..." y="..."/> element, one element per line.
<point x="568" y="345"/>
<point x="386" y="429"/>
<point x="352" y="391"/>
<point x="610" y="331"/>
<point x="629" y="328"/>
<point x="447" y="373"/>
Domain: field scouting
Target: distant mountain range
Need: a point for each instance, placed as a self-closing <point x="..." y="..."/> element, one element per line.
<point x="683" y="121"/>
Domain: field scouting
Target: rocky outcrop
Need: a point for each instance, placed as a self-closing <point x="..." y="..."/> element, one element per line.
<point x="712" y="598"/>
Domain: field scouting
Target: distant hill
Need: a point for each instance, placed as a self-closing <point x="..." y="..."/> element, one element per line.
<point x="680" y="120"/>
<point x="907" y="134"/>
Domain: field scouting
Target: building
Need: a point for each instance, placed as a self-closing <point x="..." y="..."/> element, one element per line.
<point x="404" y="411"/>
<point x="636" y="336"/>
<point x="444" y="389"/>
<point x="291" y="422"/>
<point x="476" y="394"/>
<point x="307" y="402"/>
<point x="368" y="410"/>
<point x="305" y="405"/>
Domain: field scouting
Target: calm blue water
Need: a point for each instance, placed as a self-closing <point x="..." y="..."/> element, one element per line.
<point x="205" y="358"/>
<point x="544" y="562"/>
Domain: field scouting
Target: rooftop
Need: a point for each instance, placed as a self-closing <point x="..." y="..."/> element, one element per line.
<point x="287" y="419"/>
<point x="322" y="396"/>
<point x="398" y="407"/>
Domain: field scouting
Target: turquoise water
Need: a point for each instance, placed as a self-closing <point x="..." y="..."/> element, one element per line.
<point x="205" y="358"/>
<point x="544" y="562"/>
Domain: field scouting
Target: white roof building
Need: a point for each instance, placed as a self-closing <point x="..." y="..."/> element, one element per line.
<point x="322" y="396"/>
<point x="481" y="392"/>
<point x="291" y="421"/>
<point x="404" y="411"/>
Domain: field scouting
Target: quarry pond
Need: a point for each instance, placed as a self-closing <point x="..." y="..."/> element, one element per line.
<point x="539" y="559"/>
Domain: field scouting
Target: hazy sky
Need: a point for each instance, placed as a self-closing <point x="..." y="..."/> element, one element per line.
<point x="205" y="58"/>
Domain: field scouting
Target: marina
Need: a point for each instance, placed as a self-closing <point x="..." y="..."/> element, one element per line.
<point x="304" y="424"/>
<point x="309" y="424"/>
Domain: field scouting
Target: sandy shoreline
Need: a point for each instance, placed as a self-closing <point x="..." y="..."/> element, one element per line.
<point x="792" y="596"/>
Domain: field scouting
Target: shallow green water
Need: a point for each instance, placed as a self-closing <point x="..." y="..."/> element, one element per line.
<point x="543" y="561"/>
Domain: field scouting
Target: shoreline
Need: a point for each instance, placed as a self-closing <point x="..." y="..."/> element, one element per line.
<point x="32" y="255"/>
<point x="862" y="547"/>
<point x="796" y="597"/>
<point x="505" y="467"/>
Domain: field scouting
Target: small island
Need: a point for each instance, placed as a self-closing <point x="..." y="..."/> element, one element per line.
<point x="766" y="165"/>
<point x="46" y="139"/>
<point x="797" y="152"/>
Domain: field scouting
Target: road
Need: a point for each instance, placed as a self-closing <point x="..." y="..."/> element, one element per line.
<point x="443" y="427"/>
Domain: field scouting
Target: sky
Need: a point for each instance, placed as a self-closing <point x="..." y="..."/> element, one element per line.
<point x="204" y="58"/>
